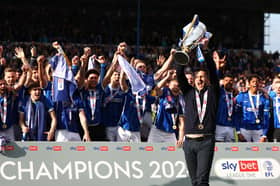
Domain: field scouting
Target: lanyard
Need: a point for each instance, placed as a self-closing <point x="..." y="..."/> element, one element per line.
<point x="229" y="101"/>
<point x="3" y="110"/>
<point x="138" y="107"/>
<point x="277" y="105"/>
<point x="201" y="111"/>
<point x="255" y="109"/>
<point x="174" y="116"/>
<point x="92" y="99"/>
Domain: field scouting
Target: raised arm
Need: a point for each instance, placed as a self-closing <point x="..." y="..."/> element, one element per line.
<point x="33" y="58"/>
<point x="80" y="76"/>
<point x="41" y="72"/>
<point x="19" y="53"/>
<point x="165" y="66"/>
<point x="213" y="77"/>
<point x="23" y="77"/>
<point x="101" y="60"/>
<point x="58" y="47"/>
<point x="110" y="71"/>
<point x="162" y="83"/>
<point x="182" y="80"/>
<point x="123" y="84"/>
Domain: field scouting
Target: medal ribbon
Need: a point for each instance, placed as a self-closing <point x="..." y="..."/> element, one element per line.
<point x="229" y="101"/>
<point x="138" y="107"/>
<point x="92" y="99"/>
<point x="255" y="109"/>
<point x="3" y="110"/>
<point x="201" y="111"/>
<point x="277" y="105"/>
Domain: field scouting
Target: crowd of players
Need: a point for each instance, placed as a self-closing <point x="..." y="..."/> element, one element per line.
<point x="38" y="102"/>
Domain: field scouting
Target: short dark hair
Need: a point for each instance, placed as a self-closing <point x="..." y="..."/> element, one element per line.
<point x="228" y="75"/>
<point x="201" y="69"/>
<point x="92" y="71"/>
<point x="251" y="76"/>
<point x="33" y="85"/>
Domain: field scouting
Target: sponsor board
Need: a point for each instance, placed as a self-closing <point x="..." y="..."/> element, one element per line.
<point x="247" y="169"/>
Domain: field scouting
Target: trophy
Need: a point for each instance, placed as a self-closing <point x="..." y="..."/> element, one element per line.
<point x="192" y="34"/>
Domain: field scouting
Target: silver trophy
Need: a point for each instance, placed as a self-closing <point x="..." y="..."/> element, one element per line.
<point x="193" y="33"/>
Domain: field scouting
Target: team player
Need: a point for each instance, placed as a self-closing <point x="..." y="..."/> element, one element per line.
<point x="132" y="114"/>
<point x="252" y="121"/>
<point x="169" y="113"/>
<point x="92" y="96"/>
<point x="275" y="97"/>
<point x="8" y="108"/>
<point x="68" y="104"/>
<point x="113" y="101"/>
<point x="226" y="112"/>
<point x="33" y="113"/>
<point x="200" y="118"/>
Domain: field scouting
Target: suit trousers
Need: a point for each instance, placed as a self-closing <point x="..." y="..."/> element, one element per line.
<point x="199" y="153"/>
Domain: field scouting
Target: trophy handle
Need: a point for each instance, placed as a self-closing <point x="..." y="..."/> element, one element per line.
<point x="190" y="28"/>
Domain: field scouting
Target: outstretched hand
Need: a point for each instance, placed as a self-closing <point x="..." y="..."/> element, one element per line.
<point x="19" y="53"/>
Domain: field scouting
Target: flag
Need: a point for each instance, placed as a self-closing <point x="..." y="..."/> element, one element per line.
<point x="137" y="84"/>
<point x="64" y="83"/>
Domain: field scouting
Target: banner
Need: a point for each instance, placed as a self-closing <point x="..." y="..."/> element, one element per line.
<point x="137" y="164"/>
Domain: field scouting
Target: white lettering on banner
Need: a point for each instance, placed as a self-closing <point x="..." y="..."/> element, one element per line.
<point x="43" y="171"/>
<point x="97" y="169"/>
<point x="246" y="169"/>
<point x="90" y="175"/>
<point x="68" y="168"/>
<point x="119" y="168"/>
<point x="80" y="167"/>
<point x="100" y="170"/>
<point x="137" y="169"/>
<point x="167" y="169"/>
<point x="3" y="166"/>
<point x="29" y="170"/>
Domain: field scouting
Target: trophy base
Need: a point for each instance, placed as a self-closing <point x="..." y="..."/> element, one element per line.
<point x="181" y="58"/>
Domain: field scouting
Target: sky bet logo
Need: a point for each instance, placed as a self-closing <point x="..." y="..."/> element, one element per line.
<point x="243" y="166"/>
<point x="247" y="169"/>
<point x="248" y="166"/>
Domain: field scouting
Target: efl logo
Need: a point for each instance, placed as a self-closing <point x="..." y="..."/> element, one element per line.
<point x="275" y="148"/>
<point x="248" y="166"/>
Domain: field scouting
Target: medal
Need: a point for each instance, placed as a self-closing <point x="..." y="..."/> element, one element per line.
<point x="255" y="108"/>
<point x="174" y="127"/>
<point x="201" y="111"/>
<point x="4" y="126"/>
<point x="200" y="126"/>
<point x="229" y="101"/>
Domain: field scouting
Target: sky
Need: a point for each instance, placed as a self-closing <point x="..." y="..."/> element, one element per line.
<point x="274" y="31"/>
